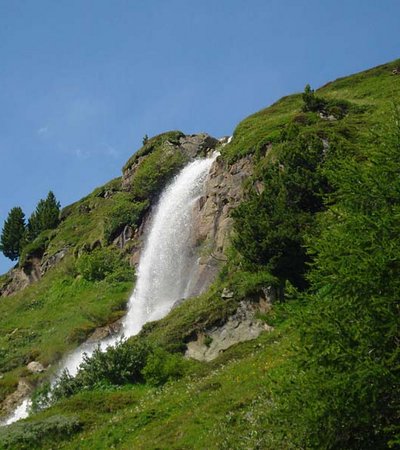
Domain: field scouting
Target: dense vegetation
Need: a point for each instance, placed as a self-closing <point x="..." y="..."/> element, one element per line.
<point x="320" y="222"/>
<point x="13" y="233"/>
<point x="16" y="236"/>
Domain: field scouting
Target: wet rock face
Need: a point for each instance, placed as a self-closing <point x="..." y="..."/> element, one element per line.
<point x="212" y="221"/>
<point x="104" y="332"/>
<point x="124" y="237"/>
<point x="211" y="212"/>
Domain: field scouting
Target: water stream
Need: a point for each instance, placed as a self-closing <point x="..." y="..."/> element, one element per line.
<point x="166" y="268"/>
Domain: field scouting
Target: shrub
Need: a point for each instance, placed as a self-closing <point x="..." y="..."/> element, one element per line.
<point x="312" y="103"/>
<point x="117" y="365"/>
<point x="28" y="435"/>
<point x="101" y="263"/>
<point x="247" y="284"/>
<point x="124" y="213"/>
<point x="155" y="171"/>
<point x="37" y="247"/>
<point x="152" y="144"/>
<point x="162" y="366"/>
<point x="338" y="108"/>
<point x="270" y="226"/>
<point x="346" y="368"/>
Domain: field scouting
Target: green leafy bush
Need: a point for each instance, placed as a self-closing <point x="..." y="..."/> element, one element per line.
<point x="162" y="366"/>
<point x="270" y="226"/>
<point x="37" y="247"/>
<point x="123" y="213"/>
<point x="117" y="365"/>
<point x="334" y="107"/>
<point x="155" y="171"/>
<point x="247" y="284"/>
<point x="346" y="371"/>
<point x="29" y="435"/>
<point x="152" y="144"/>
<point x="102" y="263"/>
<point x="312" y="103"/>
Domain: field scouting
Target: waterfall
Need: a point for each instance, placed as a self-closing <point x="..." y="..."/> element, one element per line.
<point x="166" y="266"/>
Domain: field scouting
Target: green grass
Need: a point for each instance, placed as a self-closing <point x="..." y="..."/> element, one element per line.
<point x="223" y="404"/>
<point x="372" y="91"/>
<point x="170" y="137"/>
<point x="52" y="317"/>
<point x="203" y="410"/>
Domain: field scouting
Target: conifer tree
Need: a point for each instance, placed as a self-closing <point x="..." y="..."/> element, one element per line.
<point x="45" y="216"/>
<point x="13" y="233"/>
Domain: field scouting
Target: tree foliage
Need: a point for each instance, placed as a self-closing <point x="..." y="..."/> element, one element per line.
<point x="347" y="372"/>
<point x="45" y="216"/>
<point x="312" y="103"/>
<point x="270" y="226"/>
<point x="102" y="263"/>
<point x="12" y="236"/>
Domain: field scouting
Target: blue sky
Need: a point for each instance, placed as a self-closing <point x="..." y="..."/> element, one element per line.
<point x="81" y="82"/>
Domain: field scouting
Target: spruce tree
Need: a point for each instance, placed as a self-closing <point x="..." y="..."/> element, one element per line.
<point x="51" y="213"/>
<point x="45" y="216"/>
<point x="13" y="233"/>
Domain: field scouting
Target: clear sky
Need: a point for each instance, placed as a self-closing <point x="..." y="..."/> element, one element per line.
<point x="82" y="81"/>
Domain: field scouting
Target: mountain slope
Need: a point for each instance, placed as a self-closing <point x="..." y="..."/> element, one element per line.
<point x="307" y="162"/>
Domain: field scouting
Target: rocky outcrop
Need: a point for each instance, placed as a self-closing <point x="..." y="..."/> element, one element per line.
<point x="50" y="261"/>
<point x="34" y="268"/>
<point x="35" y="367"/>
<point x="20" y="278"/>
<point x="240" y="327"/>
<point x="213" y="224"/>
<point x="104" y="332"/>
<point x="23" y="391"/>
<point x="189" y="146"/>
<point x="124" y="237"/>
<point x="196" y="144"/>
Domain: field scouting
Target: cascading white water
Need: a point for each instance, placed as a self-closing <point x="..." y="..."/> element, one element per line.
<point x="165" y="269"/>
<point x="166" y="266"/>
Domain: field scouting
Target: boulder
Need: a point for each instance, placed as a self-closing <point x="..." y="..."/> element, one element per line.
<point x="240" y="327"/>
<point x="226" y="293"/>
<point x="35" y="367"/>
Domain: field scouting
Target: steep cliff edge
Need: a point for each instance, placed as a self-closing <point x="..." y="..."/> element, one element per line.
<point x="213" y="223"/>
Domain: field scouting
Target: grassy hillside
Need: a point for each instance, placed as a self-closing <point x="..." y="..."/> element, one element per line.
<point x="320" y="224"/>
<point x="371" y="93"/>
<point x="90" y="285"/>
